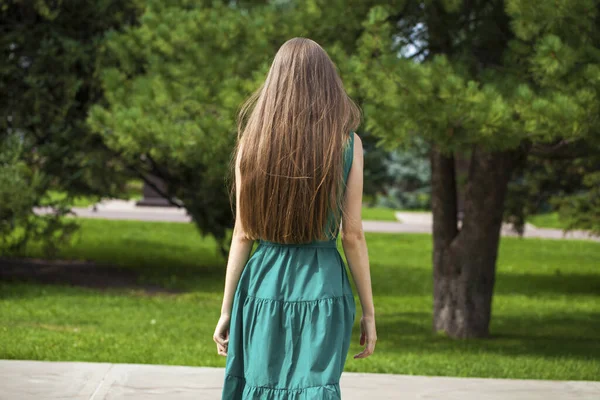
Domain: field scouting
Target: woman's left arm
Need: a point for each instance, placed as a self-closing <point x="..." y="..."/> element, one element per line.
<point x="238" y="256"/>
<point x="239" y="252"/>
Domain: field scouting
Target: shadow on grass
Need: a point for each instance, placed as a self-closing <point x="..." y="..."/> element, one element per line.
<point x="410" y="281"/>
<point x="146" y="278"/>
<point x="170" y="273"/>
<point x="558" y="283"/>
<point x="131" y="252"/>
<point x="564" y="336"/>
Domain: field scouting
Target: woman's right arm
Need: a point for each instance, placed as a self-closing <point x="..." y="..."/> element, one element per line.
<point x="355" y="249"/>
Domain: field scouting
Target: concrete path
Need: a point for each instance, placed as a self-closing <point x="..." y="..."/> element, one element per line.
<point x="408" y="222"/>
<point x="424" y="221"/>
<point x="40" y="380"/>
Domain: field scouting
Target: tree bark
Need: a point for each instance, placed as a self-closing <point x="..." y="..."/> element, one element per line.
<point x="464" y="261"/>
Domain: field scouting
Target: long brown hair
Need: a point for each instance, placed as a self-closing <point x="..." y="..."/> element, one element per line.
<point x="291" y="136"/>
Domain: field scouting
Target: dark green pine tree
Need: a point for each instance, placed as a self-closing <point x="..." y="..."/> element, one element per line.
<point x="48" y="81"/>
<point x="174" y="85"/>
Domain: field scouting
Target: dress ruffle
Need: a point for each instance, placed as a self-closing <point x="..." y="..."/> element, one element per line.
<point x="297" y="345"/>
<point x="239" y="389"/>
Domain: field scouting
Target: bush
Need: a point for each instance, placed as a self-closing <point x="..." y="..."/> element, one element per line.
<point x="21" y="189"/>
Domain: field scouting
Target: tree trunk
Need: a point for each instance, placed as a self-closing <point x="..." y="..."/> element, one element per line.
<point x="464" y="261"/>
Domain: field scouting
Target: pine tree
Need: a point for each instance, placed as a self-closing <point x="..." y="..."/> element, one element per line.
<point x="175" y="82"/>
<point x="48" y="82"/>
<point x="485" y="83"/>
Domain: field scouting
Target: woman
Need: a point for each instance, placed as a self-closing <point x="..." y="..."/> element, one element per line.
<point x="288" y="311"/>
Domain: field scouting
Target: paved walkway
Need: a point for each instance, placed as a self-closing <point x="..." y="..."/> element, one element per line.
<point x="408" y="222"/>
<point x="40" y="380"/>
<point x="424" y="220"/>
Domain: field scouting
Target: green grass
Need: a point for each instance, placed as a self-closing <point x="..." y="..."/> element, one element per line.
<point x="549" y="220"/>
<point x="378" y="214"/>
<point x="545" y="321"/>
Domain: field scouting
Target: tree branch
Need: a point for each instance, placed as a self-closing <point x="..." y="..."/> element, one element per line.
<point x="144" y="176"/>
<point x="564" y="150"/>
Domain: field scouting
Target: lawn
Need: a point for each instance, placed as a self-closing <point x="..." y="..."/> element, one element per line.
<point x="378" y="214"/>
<point x="545" y="315"/>
<point x="549" y="220"/>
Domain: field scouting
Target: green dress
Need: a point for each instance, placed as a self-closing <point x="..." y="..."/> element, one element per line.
<point x="291" y="321"/>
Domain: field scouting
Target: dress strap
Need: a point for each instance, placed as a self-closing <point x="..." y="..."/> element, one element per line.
<point x="348" y="156"/>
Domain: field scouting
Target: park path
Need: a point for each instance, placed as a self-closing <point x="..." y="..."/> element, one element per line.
<point x="43" y="380"/>
<point x="408" y="222"/>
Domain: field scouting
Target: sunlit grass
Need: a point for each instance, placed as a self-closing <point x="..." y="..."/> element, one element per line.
<point x="545" y="314"/>
<point x="378" y="214"/>
<point x="549" y="220"/>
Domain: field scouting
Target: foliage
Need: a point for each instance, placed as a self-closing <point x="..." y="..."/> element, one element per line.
<point x="174" y="85"/>
<point x="376" y="171"/>
<point x="48" y="82"/>
<point x="541" y="86"/>
<point x="20" y="188"/>
<point x="410" y="186"/>
<point x="582" y="210"/>
<point x="545" y="185"/>
<point x="546" y="324"/>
